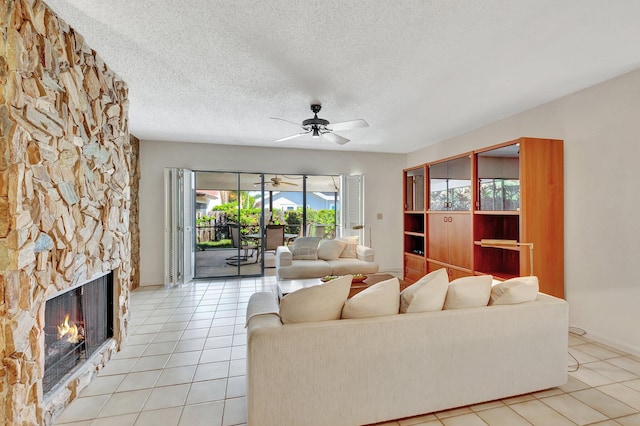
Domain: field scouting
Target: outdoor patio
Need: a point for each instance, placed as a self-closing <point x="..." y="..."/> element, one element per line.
<point x="215" y="263"/>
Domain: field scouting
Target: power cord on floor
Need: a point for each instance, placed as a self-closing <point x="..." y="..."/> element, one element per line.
<point x="578" y="332"/>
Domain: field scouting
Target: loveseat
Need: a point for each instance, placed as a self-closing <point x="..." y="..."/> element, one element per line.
<point x="368" y="370"/>
<point x="330" y="257"/>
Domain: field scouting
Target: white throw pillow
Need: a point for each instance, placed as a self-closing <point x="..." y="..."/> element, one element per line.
<point x="316" y="303"/>
<point x="427" y="294"/>
<point x="351" y="246"/>
<point x="378" y="300"/>
<point x="330" y="249"/>
<point x="305" y="248"/>
<point x="515" y="290"/>
<point x="468" y="292"/>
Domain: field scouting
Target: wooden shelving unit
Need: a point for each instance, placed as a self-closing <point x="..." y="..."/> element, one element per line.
<point x="516" y="193"/>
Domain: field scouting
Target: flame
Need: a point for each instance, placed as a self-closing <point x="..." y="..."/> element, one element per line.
<point x="70" y="331"/>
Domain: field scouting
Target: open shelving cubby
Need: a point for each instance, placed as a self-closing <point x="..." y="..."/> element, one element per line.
<point x="414" y="226"/>
<point x="501" y="262"/>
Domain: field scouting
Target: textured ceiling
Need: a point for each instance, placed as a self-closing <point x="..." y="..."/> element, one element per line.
<point x="418" y="71"/>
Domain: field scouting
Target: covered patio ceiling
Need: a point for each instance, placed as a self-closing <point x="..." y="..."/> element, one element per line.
<point x="228" y="181"/>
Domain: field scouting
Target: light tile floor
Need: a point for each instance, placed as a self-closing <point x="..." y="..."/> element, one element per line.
<point x="184" y="364"/>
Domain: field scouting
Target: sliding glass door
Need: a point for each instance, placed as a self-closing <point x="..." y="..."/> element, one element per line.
<point x="232" y="210"/>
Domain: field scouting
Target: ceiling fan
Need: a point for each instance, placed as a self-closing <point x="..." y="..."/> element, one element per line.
<point x="276" y="181"/>
<point x="321" y="128"/>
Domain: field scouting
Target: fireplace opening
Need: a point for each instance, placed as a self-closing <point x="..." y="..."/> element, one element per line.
<point x="77" y="323"/>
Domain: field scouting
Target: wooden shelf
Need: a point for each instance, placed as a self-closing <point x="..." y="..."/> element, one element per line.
<point x="498" y="275"/>
<point x="421" y="256"/>
<point x="501" y="247"/>
<point x="498" y="212"/>
<point x="415" y="234"/>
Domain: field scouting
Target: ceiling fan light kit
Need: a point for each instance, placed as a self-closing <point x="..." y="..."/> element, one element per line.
<point x="323" y="129"/>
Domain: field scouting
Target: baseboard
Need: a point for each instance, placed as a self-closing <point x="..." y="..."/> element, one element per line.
<point x="397" y="272"/>
<point x="621" y="346"/>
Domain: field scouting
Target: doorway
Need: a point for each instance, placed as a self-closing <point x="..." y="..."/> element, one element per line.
<point x="232" y="210"/>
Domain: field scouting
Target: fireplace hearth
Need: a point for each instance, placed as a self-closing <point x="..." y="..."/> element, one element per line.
<point x="77" y="323"/>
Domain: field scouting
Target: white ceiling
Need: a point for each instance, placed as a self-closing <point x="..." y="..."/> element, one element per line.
<point x="418" y="71"/>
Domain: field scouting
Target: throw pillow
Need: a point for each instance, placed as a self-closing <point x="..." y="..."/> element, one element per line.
<point x="351" y="246"/>
<point x="515" y="290"/>
<point x="330" y="249"/>
<point x="378" y="300"/>
<point x="316" y="303"/>
<point x="305" y="248"/>
<point x="427" y="294"/>
<point x="468" y="292"/>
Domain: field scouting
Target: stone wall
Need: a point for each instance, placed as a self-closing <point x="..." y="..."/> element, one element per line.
<point x="134" y="213"/>
<point x="67" y="169"/>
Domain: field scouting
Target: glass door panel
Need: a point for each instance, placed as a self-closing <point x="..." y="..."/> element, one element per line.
<point x="226" y="218"/>
<point x="321" y="205"/>
<point x="251" y="224"/>
<point x="499" y="179"/>
<point x="450" y="185"/>
<point x="283" y="201"/>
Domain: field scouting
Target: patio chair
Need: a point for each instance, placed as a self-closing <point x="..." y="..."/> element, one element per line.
<point x="319" y="231"/>
<point x="274" y="235"/>
<point x="305" y="232"/>
<point x="238" y="242"/>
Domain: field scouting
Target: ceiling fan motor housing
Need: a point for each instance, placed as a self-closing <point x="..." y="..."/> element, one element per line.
<point x="315" y="124"/>
<point x="315" y="121"/>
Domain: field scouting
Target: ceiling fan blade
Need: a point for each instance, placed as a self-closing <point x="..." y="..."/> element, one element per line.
<point x="332" y="137"/>
<point x="282" y="119"/>
<point x="288" y="183"/>
<point x="347" y="125"/>
<point x="290" y="137"/>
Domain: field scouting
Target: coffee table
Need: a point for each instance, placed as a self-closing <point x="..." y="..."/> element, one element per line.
<point x="288" y="286"/>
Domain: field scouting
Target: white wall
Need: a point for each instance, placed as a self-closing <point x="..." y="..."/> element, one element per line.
<point x="601" y="129"/>
<point x="383" y="189"/>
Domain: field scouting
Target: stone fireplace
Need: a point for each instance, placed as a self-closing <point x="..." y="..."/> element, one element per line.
<point x="68" y="212"/>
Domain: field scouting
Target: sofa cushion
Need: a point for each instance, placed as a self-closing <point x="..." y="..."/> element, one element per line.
<point x="305" y="269"/>
<point x="316" y="303"/>
<point x="350" y="248"/>
<point x="344" y="266"/>
<point x="330" y="249"/>
<point x="468" y="292"/>
<point x="305" y="248"/>
<point x="515" y="290"/>
<point x="427" y="294"/>
<point x="378" y="300"/>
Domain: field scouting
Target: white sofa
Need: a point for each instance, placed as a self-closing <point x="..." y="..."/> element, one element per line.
<point x="360" y="371"/>
<point x="289" y="268"/>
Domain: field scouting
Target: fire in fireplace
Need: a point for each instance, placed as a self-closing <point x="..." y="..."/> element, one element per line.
<point x="70" y="333"/>
<point x="77" y="323"/>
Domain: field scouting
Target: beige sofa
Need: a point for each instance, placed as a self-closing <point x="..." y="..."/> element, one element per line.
<point x="360" y="371"/>
<point x="289" y="268"/>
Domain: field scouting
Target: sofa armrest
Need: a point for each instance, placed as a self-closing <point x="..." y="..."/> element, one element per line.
<point x="283" y="256"/>
<point x="365" y="253"/>
<point x="262" y="303"/>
